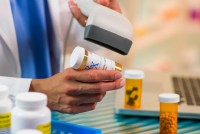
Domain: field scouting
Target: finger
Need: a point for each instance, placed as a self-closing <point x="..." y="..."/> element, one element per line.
<point x="94" y="88"/>
<point x="74" y="109"/>
<point x="77" y="13"/>
<point x="104" y="94"/>
<point x="113" y="4"/>
<point x="81" y="99"/>
<point x="103" y="2"/>
<point x="97" y="75"/>
<point x="108" y="86"/>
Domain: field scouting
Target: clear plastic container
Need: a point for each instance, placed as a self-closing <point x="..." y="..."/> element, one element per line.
<point x="82" y="59"/>
<point x="168" y="113"/>
<point x="133" y="88"/>
<point x="5" y="110"/>
<point x="31" y="112"/>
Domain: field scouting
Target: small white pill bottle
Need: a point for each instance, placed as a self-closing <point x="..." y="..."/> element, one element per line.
<point x="31" y="112"/>
<point x="29" y="131"/>
<point x="5" y="110"/>
<point x="82" y="59"/>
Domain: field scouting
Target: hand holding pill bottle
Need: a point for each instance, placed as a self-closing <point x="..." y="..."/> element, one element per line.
<point x="168" y="113"/>
<point x="82" y="59"/>
<point x="133" y="88"/>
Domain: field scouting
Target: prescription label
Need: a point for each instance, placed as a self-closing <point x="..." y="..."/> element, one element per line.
<point x="45" y="128"/>
<point x="5" y="123"/>
<point x="97" y="62"/>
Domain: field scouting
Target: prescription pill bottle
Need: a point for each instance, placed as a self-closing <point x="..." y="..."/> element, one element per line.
<point x="81" y="59"/>
<point x="168" y="113"/>
<point x="5" y="110"/>
<point x="29" y="131"/>
<point x="31" y="112"/>
<point x="133" y="88"/>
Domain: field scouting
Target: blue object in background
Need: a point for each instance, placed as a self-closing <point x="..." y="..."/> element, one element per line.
<point x="67" y="128"/>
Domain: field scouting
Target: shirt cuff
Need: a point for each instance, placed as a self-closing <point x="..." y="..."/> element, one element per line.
<point x="15" y="85"/>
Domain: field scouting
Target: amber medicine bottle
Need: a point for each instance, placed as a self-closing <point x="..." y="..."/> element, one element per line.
<point x="82" y="59"/>
<point x="133" y="88"/>
<point x="5" y="110"/>
<point x="168" y="113"/>
<point x="31" y="112"/>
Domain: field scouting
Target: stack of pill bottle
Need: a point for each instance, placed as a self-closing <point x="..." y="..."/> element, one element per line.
<point x="82" y="59"/>
<point x="168" y="113"/>
<point x="5" y="110"/>
<point x="29" y="131"/>
<point x="31" y="112"/>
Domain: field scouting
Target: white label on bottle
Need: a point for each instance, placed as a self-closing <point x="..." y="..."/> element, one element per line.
<point x="97" y="62"/>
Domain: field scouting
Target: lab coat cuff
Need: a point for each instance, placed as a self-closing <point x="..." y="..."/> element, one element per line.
<point x="15" y="85"/>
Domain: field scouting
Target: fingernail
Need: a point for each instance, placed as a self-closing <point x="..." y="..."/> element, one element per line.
<point x="118" y="75"/>
<point x="122" y="83"/>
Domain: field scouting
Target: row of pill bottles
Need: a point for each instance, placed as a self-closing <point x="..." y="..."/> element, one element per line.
<point x="30" y="112"/>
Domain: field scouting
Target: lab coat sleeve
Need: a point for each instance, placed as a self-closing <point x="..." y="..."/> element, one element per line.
<point x="15" y="85"/>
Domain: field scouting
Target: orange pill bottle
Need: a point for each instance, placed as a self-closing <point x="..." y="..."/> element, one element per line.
<point x="168" y="113"/>
<point x="133" y="88"/>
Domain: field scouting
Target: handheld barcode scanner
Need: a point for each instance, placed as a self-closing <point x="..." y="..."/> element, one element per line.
<point x="106" y="27"/>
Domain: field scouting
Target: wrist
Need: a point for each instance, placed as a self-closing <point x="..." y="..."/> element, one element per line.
<point x="35" y="85"/>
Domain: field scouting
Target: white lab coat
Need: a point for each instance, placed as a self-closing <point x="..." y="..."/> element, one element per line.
<point x="9" y="58"/>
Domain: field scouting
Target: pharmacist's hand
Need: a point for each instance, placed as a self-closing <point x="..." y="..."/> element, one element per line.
<point x="113" y="4"/>
<point x="74" y="91"/>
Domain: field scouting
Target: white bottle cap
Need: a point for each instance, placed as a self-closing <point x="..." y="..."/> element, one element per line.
<point x="29" y="131"/>
<point x="137" y="74"/>
<point x="169" y="98"/>
<point x="4" y="92"/>
<point x="31" y="100"/>
<point x="77" y="57"/>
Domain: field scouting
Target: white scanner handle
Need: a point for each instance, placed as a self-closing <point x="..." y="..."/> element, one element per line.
<point x="86" y="6"/>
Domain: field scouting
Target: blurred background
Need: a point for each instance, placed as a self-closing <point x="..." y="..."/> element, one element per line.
<point x="166" y="36"/>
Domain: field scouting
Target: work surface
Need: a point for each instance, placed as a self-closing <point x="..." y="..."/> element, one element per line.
<point x="104" y="118"/>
